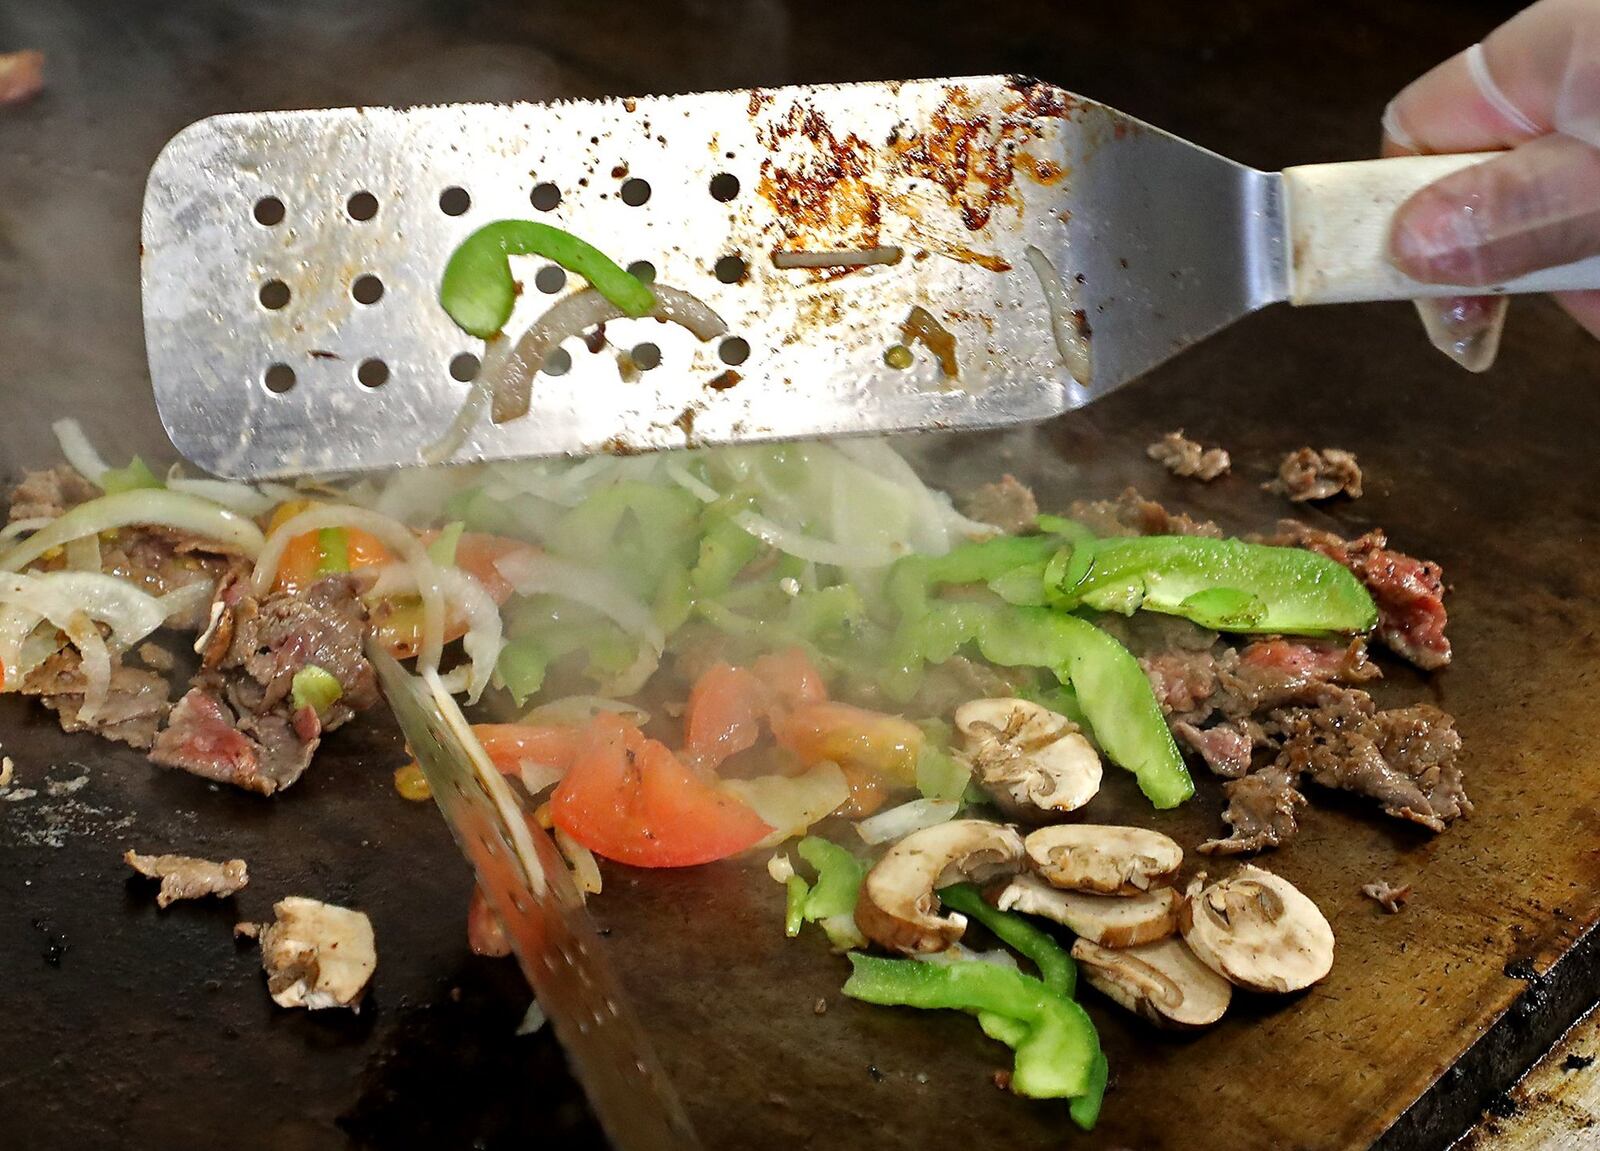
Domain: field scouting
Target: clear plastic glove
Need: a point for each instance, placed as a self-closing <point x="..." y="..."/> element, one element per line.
<point x="1533" y="87"/>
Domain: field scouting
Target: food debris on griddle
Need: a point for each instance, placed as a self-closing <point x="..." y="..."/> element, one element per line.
<point x="1185" y="457"/>
<point x="188" y="877"/>
<point x="1388" y="896"/>
<point x="1308" y="474"/>
<point x="315" y="954"/>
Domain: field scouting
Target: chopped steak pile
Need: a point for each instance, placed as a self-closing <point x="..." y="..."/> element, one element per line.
<point x="1008" y="505"/>
<point x="1185" y="457"/>
<point x="1130" y="514"/>
<point x="185" y="877"/>
<point x="1389" y="897"/>
<point x="1308" y="474"/>
<point x="238" y="723"/>
<point x="135" y="708"/>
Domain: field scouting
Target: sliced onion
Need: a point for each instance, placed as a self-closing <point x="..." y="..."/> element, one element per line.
<point x="791" y="804"/>
<point x="83" y="554"/>
<point x="959" y="952"/>
<point x="585" y="869"/>
<point x="509" y="370"/>
<point x="537" y="778"/>
<point x="1070" y="342"/>
<point x="80" y="453"/>
<point x="393" y="535"/>
<point x="94" y="660"/>
<point x="186" y="599"/>
<point x="811" y="548"/>
<point x="899" y="822"/>
<point x="23" y="526"/>
<point x="939" y="516"/>
<point x="477" y="608"/>
<point x="578" y="710"/>
<point x="691" y="483"/>
<point x="471" y="411"/>
<point x="637" y="674"/>
<point x="241" y="498"/>
<point x="154" y="506"/>
<point x="535" y="573"/>
<point x="533" y="1020"/>
<point x="780" y="868"/>
<point x="131" y="613"/>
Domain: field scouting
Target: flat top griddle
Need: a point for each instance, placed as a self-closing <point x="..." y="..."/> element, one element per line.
<point x="128" y="1027"/>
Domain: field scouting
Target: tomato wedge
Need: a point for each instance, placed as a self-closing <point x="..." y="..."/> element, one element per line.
<point x="508" y="744"/>
<point x="724" y="715"/>
<point x="630" y="799"/>
<point x="791" y="678"/>
<point x="303" y="557"/>
<point x="852" y="737"/>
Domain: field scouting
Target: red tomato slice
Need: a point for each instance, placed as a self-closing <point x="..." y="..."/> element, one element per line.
<point x="724" y="715"/>
<point x="629" y="798"/>
<point x="852" y="737"/>
<point x="508" y="744"/>
<point x="476" y="553"/>
<point x="791" y="678"/>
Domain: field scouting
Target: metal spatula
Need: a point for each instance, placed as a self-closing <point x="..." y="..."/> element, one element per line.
<point x="292" y="262"/>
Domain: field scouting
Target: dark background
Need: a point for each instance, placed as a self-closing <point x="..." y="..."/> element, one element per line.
<point x="125" y="1027"/>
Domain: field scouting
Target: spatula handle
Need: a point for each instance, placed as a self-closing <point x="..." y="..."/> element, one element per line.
<point x="1337" y="219"/>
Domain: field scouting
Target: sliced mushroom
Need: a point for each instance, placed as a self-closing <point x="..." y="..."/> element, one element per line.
<point x="1163" y="982"/>
<point x="896" y="907"/>
<point x="1101" y="859"/>
<point x="1030" y="760"/>
<point x="1109" y="920"/>
<point x="317" y="955"/>
<point x="1257" y="930"/>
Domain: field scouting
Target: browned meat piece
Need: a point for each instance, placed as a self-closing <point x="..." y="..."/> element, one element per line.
<point x="1008" y="505"/>
<point x="1273" y="672"/>
<point x="1405" y="758"/>
<point x="1308" y="474"/>
<point x="1389" y="897"/>
<point x="46" y="494"/>
<point x="1184" y="681"/>
<point x="185" y="877"/>
<point x="261" y="754"/>
<point x="1130" y="514"/>
<point x="159" y="560"/>
<point x="1409" y="592"/>
<point x="155" y="657"/>
<point x="1226" y="748"/>
<point x="1261" y="812"/>
<point x="1185" y="457"/>
<point x="134" y="708"/>
<point x="21" y="76"/>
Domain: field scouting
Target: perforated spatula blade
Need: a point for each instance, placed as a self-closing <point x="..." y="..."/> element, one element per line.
<point x="292" y="262"/>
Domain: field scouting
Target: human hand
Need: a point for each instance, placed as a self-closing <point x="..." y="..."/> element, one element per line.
<point x="1533" y="87"/>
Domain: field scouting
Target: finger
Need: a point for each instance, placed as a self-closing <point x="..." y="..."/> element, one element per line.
<point x="1466" y="328"/>
<point x="1537" y="206"/>
<point x="1536" y="73"/>
<point x="1583" y="307"/>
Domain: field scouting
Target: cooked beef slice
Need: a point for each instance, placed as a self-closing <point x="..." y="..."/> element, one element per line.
<point x="135" y="705"/>
<point x="1405" y="757"/>
<point x="186" y="877"/>
<point x="48" y="493"/>
<point x="1409" y="592"/>
<point x="1130" y="514"/>
<point x="202" y="737"/>
<point x="1227" y="747"/>
<point x="1261" y="812"/>
<point x="1185" y="457"/>
<point x="1308" y="474"/>
<point x="238" y="724"/>
<point x="158" y="560"/>
<point x="1008" y="505"/>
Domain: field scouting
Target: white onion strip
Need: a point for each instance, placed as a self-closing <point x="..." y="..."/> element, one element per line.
<point x="83" y="554"/>
<point x="237" y="497"/>
<point x="811" y="548"/>
<point x="153" y="506"/>
<point x="131" y="613"/>
<point x="393" y="535"/>
<point x="690" y="482"/>
<point x="465" y="594"/>
<point x="23" y="526"/>
<point x="1070" y="342"/>
<point x="94" y="660"/>
<point x="578" y="710"/>
<point x="80" y="453"/>
<point x="534" y="573"/>
<point x="899" y="822"/>
<point x="190" y="597"/>
<point x="538" y="777"/>
<point x="585" y="869"/>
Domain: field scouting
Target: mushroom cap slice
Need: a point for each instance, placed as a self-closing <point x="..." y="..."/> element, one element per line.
<point x="1031" y="761"/>
<point x="1103" y="859"/>
<point x="897" y="905"/>
<point x="1258" y="930"/>
<point x="1163" y="982"/>
<point x="1109" y="920"/>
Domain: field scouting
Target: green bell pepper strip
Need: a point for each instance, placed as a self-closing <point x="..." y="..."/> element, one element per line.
<point x="827" y="609"/>
<point x="1110" y="685"/>
<point x="1085" y="1108"/>
<point x="839" y="876"/>
<point x="521" y="668"/>
<point x="136" y="475"/>
<point x="1228" y="585"/>
<point x="316" y="688"/>
<point x="1054" y="1060"/>
<point x="795" y="893"/>
<point x="912" y="578"/>
<point x="660" y="522"/>
<point x="941" y="775"/>
<point x="333" y="551"/>
<point x="442" y="550"/>
<point x="1023" y="585"/>
<point x="725" y="549"/>
<point x="1056" y="968"/>
<point x="477" y="289"/>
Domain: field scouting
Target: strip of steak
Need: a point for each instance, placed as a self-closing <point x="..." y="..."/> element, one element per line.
<point x="1308" y="474"/>
<point x="203" y="738"/>
<point x="1227" y="748"/>
<point x="1261" y="812"/>
<point x="187" y="877"/>
<point x="1185" y="457"/>
<point x="1008" y="505"/>
<point x="47" y="493"/>
<point x="1130" y="514"/>
<point x="1409" y="592"/>
<point x="135" y="704"/>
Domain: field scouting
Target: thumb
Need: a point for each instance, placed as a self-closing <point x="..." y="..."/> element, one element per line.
<point x="1537" y="206"/>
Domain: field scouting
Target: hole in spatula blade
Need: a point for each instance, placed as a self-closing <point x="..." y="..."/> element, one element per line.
<point x="635" y="192"/>
<point x="724" y="187"/>
<point x="274" y="294"/>
<point x="372" y="373"/>
<point x="454" y="201"/>
<point x="367" y="289"/>
<point x="362" y="206"/>
<point x="268" y="211"/>
<point x="278" y="378"/>
<point x="550" y="279"/>
<point x="464" y="367"/>
<point x="545" y="197"/>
